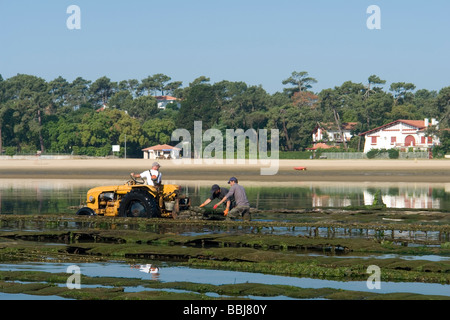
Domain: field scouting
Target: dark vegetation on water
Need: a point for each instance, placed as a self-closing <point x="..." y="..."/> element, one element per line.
<point x="43" y="283"/>
<point x="312" y="244"/>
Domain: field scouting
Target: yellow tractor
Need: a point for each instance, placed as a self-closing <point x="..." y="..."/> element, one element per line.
<point x="135" y="199"/>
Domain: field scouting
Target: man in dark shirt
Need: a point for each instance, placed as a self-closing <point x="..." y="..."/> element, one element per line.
<point x="218" y="193"/>
<point x="242" y="208"/>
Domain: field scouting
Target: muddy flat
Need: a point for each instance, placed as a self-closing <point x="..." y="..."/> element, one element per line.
<point x="316" y="170"/>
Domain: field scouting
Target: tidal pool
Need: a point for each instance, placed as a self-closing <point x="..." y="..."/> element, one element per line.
<point x="22" y="296"/>
<point x="172" y="273"/>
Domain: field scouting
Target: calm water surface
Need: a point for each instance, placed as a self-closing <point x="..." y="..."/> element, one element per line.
<point x="170" y="273"/>
<point x="61" y="196"/>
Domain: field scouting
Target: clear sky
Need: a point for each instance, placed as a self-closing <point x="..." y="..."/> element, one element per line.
<point x="260" y="42"/>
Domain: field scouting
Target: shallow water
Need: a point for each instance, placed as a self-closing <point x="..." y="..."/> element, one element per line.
<point x="36" y="197"/>
<point x="170" y="273"/>
<point x="22" y="296"/>
<point x="60" y="196"/>
<point x="434" y="258"/>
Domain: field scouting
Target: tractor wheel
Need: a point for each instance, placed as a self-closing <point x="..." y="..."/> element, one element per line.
<point x="85" y="211"/>
<point x="139" y="204"/>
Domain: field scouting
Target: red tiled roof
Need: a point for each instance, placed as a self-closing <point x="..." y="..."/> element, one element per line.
<point x="321" y="146"/>
<point x="415" y="123"/>
<point x="166" y="98"/>
<point x="160" y="147"/>
<point x="419" y="124"/>
<point x="332" y="126"/>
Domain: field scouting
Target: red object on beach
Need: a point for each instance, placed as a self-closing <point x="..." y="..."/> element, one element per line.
<point x="300" y="168"/>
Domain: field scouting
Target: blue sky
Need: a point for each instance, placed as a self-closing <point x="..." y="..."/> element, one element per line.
<point x="259" y="42"/>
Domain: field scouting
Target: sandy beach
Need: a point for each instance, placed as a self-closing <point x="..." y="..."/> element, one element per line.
<point x="189" y="170"/>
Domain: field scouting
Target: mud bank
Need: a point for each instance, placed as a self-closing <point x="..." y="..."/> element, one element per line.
<point x="108" y="288"/>
<point x="236" y="246"/>
<point x="243" y="249"/>
<point x="317" y="170"/>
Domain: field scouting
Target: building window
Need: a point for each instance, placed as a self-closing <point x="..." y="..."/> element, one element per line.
<point x="393" y="140"/>
<point x="430" y="140"/>
<point x="422" y="140"/>
<point x="374" y="140"/>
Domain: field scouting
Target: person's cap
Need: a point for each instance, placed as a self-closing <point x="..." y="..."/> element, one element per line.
<point x="156" y="164"/>
<point x="232" y="179"/>
<point x="214" y="188"/>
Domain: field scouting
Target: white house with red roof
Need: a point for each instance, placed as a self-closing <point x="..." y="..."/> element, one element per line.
<point x="329" y="132"/>
<point x="401" y="134"/>
<point x="163" y="101"/>
<point x="161" y="151"/>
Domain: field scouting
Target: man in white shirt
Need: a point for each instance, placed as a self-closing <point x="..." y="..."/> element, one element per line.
<point x="152" y="176"/>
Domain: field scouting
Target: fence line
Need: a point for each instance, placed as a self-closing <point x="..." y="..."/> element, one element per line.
<point x="324" y="155"/>
<point x="362" y="155"/>
<point x="343" y="155"/>
<point x="414" y="155"/>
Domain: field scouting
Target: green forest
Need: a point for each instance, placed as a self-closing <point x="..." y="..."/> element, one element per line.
<point x="65" y="117"/>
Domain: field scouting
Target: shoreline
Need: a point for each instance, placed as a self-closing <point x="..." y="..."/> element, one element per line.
<point x="370" y="170"/>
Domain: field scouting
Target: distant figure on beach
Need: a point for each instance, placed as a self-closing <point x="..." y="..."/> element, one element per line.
<point x="152" y="176"/>
<point x="219" y="193"/>
<point x="242" y="208"/>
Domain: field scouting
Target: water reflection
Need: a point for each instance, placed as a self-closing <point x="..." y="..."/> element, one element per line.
<point x="342" y="194"/>
<point x="399" y="195"/>
<point x="148" y="268"/>
<point x="172" y="273"/>
<point x="411" y="199"/>
<point x="40" y="196"/>
<point x="63" y="196"/>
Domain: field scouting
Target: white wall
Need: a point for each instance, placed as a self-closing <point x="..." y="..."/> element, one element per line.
<point x="400" y="131"/>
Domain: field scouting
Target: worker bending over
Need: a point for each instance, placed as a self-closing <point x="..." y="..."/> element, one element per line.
<point x="218" y="193"/>
<point x="242" y="208"/>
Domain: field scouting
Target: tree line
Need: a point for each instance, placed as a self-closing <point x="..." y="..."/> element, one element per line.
<point x="67" y="117"/>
